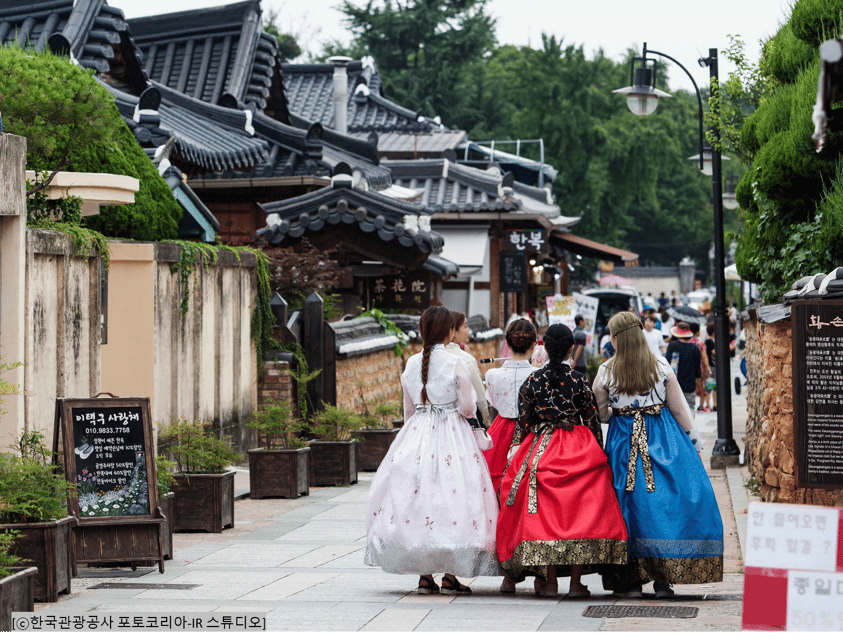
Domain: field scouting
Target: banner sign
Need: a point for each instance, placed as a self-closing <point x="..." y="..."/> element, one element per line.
<point x="561" y="310"/>
<point x="587" y="308"/>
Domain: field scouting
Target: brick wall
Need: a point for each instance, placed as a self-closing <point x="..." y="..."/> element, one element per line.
<point x="276" y="383"/>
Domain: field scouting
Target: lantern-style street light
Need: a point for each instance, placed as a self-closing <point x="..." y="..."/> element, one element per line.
<point x="642" y="99"/>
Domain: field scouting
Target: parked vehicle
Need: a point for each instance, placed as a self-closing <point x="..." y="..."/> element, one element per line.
<point x="612" y="301"/>
<point x="696" y="298"/>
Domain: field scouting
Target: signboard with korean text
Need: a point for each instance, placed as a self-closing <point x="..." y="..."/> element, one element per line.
<point x="792" y="573"/>
<point x="109" y="456"/>
<point x="587" y="308"/>
<point x="561" y="310"/>
<point x="525" y="240"/>
<point x="513" y="272"/>
<point x="817" y="338"/>
<point x="404" y="291"/>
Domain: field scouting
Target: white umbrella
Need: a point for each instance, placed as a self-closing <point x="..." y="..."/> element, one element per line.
<point x="732" y="272"/>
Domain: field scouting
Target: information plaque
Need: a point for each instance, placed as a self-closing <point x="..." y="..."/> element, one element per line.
<point x="513" y="272"/>
<point x="108" y="453"/>
<point x="817" y="337"/>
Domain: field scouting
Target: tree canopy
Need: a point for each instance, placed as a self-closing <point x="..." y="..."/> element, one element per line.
<point x="793" y="196"/>
<point x="71" y="123"/>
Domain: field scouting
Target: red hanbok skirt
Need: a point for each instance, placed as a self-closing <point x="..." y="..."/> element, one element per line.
<point x="501" y="433"/>
<point x="576" y="518"/>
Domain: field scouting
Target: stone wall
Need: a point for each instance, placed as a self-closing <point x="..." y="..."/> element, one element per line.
<point x="371" y="377"/>
<point x="772" y="457"/>
<point x="754" y="386"/>
<point x="276" y="385"/>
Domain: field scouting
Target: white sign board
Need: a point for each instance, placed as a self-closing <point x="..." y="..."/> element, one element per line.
<point x="814" y="601"/>
<point x="561" y="310"/>
<point x="587" y="308"/>
<point x="785" y="536"/>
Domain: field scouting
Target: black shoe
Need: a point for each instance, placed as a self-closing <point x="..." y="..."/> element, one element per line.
<point x="662" y="590"/>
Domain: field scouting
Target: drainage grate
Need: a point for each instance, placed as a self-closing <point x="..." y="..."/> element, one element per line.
<point x="615" y="611"/>
<point x="142" y="585"/>
<point x="112" y="573"/>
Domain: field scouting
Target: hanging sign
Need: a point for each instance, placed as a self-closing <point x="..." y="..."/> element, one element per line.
<point x="513" y="272"/>
<point x="561" y="310"/>
<point x="406" y="291"/>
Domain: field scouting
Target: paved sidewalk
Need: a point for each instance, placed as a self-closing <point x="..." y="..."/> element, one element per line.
<point x="301" y="563"/>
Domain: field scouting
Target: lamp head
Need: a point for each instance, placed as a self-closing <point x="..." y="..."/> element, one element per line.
<point x="642" y="98"/>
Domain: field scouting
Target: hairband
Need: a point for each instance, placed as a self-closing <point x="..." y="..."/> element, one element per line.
<point x="631" y="326"/>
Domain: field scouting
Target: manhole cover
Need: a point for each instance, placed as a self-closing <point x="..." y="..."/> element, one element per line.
<point x="142" y="585"/>
<point x="614" y="611"/>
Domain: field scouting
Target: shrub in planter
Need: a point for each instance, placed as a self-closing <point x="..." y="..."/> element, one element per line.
<point x="17" y="585"/>
<point x="378" y="433"/>
<point x="204" y="490"/>
<point x="33" y="503"/>
<point x="166" y="484"/>
<point x="333" y="452"/>
<point x="280" y="469"/>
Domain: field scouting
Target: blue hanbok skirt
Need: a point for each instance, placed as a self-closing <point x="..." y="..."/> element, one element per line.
<point x="675" y="531"/>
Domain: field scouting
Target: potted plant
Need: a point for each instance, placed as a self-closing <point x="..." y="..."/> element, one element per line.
<point x="377" y="434"/>
<point x="204" y="490"/>
<point x="33" y="503"/>
<point x="166" y="484"/>
<point x="333" y="452"/>
<point x="17" y="585"/>
<point x="280" y="468"/>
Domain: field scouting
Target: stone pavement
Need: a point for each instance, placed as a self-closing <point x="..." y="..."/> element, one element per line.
<point x="301" y="563"/>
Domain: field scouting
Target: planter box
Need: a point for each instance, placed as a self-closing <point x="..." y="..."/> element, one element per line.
<point x="166" y="505"/>
<point x="279" y="473"/>
<point x="17" y="593"/>
<point x="333" y="463"/>
<point x="203" y="501"/>
<point x="49" y="547"/>
<point x="372" y="445"/>
<point x="125" y="541"/>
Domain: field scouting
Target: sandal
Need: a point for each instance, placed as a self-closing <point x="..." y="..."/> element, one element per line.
<point x="507" y="586"/>
<point x="577" y="595"/>
<point x="427" y="586"/>
<point x="542" y="590"/>
<point x="453" y="587"/>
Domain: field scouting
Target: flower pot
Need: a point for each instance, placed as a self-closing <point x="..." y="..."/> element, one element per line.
<point x="372" y="445"/>
<point x="279" y="473"/>
<point x="166" y="505"/>
<point x="203" y="501"/>
<point x="17" y="593"/>
<point x="49" y="547"/>
<point x="333" y="462"/>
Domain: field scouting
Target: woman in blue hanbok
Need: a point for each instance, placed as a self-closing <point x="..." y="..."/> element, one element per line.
<point x="675" y="530"/>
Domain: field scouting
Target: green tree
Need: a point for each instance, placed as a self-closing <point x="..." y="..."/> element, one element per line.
<point x="791" y="193"/>
<point x="288" y="46"/>
<point x="422" y="47"/>
<point x="71" y="123"/>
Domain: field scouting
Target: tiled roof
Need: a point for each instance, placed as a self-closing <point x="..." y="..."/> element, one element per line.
<point x="337" y="206"/>
<point x="219" y="55"/>
<point x="93" y="33"/>
<point x="310" y="94"/>
<point x="451" y="187"/>
<point x="408" y="146"/>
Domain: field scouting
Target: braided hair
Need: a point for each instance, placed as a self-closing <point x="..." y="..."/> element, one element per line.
<point x="435" y="325"/>
<point x="558" y="340"/>
<point x="520" y="336"/>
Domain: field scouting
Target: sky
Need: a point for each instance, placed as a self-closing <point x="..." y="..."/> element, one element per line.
<point x="683" y="29"/>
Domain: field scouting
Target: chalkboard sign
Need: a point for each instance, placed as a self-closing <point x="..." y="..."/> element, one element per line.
<point x="817" y="338"/>
<point x="513" y="271"/>
<point x="109" y="456"/>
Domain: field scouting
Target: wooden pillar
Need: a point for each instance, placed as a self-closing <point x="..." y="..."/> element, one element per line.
<point x="314" y="348"/>
<point x="495" y="311"/>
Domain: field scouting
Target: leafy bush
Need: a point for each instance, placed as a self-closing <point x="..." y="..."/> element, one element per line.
<point x="71" y="123"/>
<point x="32" y="489"/>
<point x="193" y="449"/>
<point x="333" y="423"/>
<point x="164" y="476"/>
<point x="278" y="423"/>
<point x="814" y="21"/>
<point x="785" y="55"/>
<point x="7" y="560"/>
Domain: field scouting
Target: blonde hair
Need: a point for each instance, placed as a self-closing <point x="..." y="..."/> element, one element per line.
<point x="634" y="369"/>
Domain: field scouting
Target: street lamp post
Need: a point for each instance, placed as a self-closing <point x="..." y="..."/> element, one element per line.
<point x="642" y="99"/>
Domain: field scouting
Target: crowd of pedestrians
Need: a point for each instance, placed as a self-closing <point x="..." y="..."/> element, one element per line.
<point x="541" y="494"/>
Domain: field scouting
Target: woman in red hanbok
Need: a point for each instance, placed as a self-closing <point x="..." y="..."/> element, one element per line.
<point x="557" y="502"/>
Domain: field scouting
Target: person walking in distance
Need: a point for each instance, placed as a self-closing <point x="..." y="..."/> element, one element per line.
<point x="431" y="506"/>
<point x="675" y="529"/>
<point x="580" y="363"/>
<point x="653" y="336"/>
<point x="686" y="360"/>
